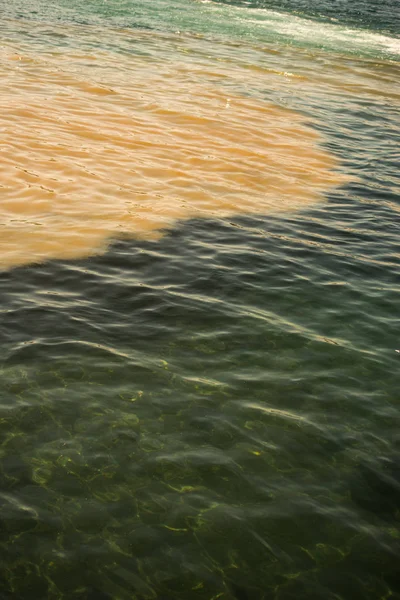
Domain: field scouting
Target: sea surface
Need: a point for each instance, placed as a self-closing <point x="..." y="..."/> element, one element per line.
<point x="199" y="296"/>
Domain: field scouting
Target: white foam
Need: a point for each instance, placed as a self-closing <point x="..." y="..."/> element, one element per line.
<point x="317" y="34"/>
<point x="336" y="35"/>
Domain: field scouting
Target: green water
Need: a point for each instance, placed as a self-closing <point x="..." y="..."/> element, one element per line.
<point x="199" y="441"/>
<point x="214" y="415"/>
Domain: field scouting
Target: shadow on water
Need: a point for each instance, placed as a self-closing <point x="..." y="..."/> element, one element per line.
<point x="186" y="419"/>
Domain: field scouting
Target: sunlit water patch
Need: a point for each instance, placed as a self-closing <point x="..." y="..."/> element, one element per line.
<point x="95" y="145"/>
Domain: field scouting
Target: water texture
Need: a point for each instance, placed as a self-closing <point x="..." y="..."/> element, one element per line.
<point x="199" y="254"/>
<point x="139" y="145"/>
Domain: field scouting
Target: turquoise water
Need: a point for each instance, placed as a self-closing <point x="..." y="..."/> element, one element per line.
<point x="212" y="413"/>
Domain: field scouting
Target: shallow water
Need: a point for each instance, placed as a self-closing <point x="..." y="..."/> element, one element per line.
<point x="199" y="293"/>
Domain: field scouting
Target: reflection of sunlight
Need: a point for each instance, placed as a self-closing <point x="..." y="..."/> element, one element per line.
<point x="276" y="412"/>
<point x="85" y="160"/>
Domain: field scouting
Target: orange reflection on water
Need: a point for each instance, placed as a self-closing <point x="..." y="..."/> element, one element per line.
<point x="124" y="145"/>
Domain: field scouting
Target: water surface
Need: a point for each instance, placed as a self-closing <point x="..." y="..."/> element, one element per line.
<point x="199" y="286"/>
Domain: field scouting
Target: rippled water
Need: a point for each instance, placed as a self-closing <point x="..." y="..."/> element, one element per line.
<point x="199" y="286"/>
<point x="95" y="143"/>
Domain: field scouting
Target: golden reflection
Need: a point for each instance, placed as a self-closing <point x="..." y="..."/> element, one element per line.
<point x="96" y="146"/>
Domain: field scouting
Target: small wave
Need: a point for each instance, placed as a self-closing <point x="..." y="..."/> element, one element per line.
<point x="309" y="33"/>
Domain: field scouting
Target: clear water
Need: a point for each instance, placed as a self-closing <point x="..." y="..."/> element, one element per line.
<point x="199" y="284"/>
